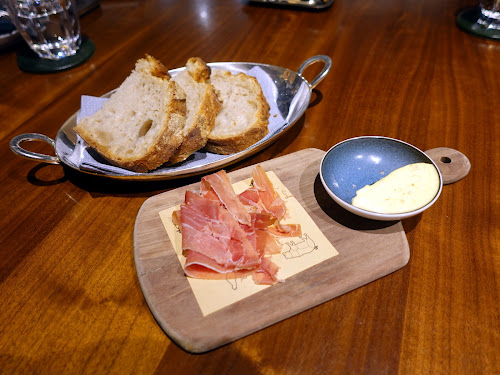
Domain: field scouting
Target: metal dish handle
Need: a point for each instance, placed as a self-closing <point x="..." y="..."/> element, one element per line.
<point x="328" y="64"/>
<point x="15" y="146"/>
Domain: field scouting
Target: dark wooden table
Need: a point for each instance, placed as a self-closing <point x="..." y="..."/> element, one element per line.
<point x="71" y="300"/>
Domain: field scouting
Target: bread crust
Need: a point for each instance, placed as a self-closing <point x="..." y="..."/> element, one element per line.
<point x="225" y="144"/>
<point x="201" y="122"/>
<point x="168" y="139"/>
<point x="198" y="69"/>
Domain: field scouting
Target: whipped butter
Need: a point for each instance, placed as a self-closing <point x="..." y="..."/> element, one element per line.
<point x="403" y="190"/>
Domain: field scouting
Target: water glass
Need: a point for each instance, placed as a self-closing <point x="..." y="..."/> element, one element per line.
<point x="490" y="14"/>
<point x="50" y="27"/>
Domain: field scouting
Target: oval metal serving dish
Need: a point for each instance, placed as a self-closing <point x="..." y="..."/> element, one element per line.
<point x="287" y="92"/>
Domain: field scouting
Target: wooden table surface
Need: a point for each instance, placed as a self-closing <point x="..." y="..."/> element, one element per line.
<point x="71" y="300"/>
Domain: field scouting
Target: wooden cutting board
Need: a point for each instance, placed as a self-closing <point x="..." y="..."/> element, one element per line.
<point x="367" y="250"/>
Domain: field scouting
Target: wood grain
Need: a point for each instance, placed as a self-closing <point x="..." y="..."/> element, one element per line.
<point x="452" y="164"/>
<point x="367" y="250"/>
<point x="71" y="299"/>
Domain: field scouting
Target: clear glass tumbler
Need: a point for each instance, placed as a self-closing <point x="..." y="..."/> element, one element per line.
<point x="50" y="27"/>
<point x="490" y="14"/>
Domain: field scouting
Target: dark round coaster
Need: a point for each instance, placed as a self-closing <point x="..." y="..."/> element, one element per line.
<point x="467" y="21"/>
<point x="30" y="62"/>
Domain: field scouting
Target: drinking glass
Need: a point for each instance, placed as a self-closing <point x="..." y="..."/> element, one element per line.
<point x="490" y="14"/>
<point x="50" y="27"/>
<point x="482" y="20"/>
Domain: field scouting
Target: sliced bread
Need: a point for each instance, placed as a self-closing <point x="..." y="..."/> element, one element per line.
<point x="244" y="115"/>
<point x="140" y="126"/>
<point x="202" y="106"/>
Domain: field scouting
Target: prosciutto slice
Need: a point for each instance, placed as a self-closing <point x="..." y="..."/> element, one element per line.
<point x="220" y="184"/>
<point x="227" y="236"/>
<point x="210" y="229"/>
<point x="268" y="196"/>
<point x="202" y="267"/>
<point x="266" y="275"/>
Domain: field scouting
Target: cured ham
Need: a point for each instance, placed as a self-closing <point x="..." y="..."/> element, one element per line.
<point x="286" y="230"/>
<point x="225" y="235"/>
<point x="202" y="267"/>
<point x="267" y="195"/>
<point x="266" y="243"/>
<point x="266" y="275"/>
<point x="208" y="228"/>
<point x="220" y="184"/>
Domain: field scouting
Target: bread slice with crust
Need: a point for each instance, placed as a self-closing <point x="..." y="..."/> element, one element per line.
<point x="244" y="115"/>
<point x="140" y="126"/>
<point x="202" y="106"/>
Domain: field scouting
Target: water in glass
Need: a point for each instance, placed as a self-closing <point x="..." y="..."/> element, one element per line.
<point x="50" y="27"/>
